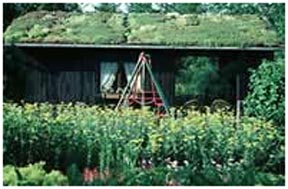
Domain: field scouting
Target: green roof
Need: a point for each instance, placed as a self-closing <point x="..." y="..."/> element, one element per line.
<point x="144" y="28"/>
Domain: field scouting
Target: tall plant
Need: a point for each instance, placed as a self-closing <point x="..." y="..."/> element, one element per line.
<point x="266" y="98"/>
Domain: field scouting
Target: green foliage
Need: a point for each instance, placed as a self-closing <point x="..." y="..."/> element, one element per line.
<point x="74" y="175"/>
<point x="146" y="28"/>
<point x="273" y="13"/>
<point x="232" y="8"/>
<point x="55" y="178"/>
<point x="201" y="30"/>
<point x="182" y="8"/>
<point x="13" y="10"/>
<point x="56" y="27"/>
<point x="32" y="175"/>
<point x="140" y="8"/>
<point x="117" y="143"/>
<point x="205" y="76"/>
<point x="266" y="98"/>
<point x="9" y="175"/>
<point x="107" y="7"/>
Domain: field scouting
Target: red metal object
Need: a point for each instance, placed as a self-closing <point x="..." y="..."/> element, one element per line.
<point x="143" y="89"/>
<point x="147" y="97"/>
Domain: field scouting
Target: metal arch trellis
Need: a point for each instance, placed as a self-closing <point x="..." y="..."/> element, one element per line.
<point x="130" y="95"/>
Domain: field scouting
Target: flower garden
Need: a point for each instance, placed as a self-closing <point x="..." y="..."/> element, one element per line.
<point x="77" y="144"/>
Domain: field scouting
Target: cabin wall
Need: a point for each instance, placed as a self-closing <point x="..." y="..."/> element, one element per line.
<point x="72" y="75"/>
<point x="66" y="77"/>
<point x="66" y="86"/>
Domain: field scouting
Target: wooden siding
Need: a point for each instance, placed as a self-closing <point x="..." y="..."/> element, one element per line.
<point x="72" y="75"/>
<point x="63" y="86"/>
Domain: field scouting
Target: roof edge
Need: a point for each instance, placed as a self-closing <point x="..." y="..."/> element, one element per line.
<point x="137" y="46"/>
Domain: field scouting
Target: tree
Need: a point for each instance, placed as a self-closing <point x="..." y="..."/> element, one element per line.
<point x="141" y="8"/>
<point x="182" y="8"/>
<point x="275" y="14"/>
<point x="108" y="7"/>
<point x="204" y="73"/>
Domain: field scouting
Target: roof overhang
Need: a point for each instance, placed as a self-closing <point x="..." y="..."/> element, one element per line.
<point x="135" y="46"/>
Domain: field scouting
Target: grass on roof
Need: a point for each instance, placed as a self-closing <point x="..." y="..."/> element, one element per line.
<point x="200" y="30"/>
<point x="60" y="27"/>
<point x="143" y="28"/>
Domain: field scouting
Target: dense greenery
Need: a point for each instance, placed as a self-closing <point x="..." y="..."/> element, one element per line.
<point x="272" y="13"/>
<point x="32" y="175"/>
<point x="205" y="74"/>
<point x="202" y="30"/>
<point x="14" y="10"/>
<point x="133" y="147"/>
<point x="107" y="7"/>
<point x="59" y="27"/>
<point x="266" y="98"/>
<point x="140" y="8"/>
<point x="141" y="28"/>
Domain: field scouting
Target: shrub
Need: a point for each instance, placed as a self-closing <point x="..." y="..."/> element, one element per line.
<point x="32" y="175"/>
<point x="118" y="144"/>
<point x="266" y="98"/>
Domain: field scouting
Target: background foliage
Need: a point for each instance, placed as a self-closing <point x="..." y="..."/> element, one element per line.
<point x="205" y="74"/>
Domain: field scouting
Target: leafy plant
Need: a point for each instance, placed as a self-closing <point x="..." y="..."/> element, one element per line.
<point x="32" y="175"/>
<point x="266" y="98"/>
<point x="74" y="175"/>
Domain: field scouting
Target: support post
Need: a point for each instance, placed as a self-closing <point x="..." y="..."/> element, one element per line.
<point x="238" y="100"/>
<point x="143" y="86"/>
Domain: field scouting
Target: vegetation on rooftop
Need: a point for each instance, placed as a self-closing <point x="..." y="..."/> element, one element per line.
<point x="201" y="30"/>
<point x="61" y="27"/>
<point x="141" y="28"/>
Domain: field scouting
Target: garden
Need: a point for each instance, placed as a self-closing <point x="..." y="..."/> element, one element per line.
<point x="136" y="148"/>
<point x="81" y="144"/>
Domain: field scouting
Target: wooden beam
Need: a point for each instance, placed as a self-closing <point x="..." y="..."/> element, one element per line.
<point x="144" y="46"/>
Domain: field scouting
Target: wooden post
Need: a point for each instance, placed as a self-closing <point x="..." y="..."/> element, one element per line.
<point x="143" y="86"/>
<point x="238" y="100"/>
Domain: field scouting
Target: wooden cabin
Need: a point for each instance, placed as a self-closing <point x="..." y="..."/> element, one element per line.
<point x="69" y="63"/>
